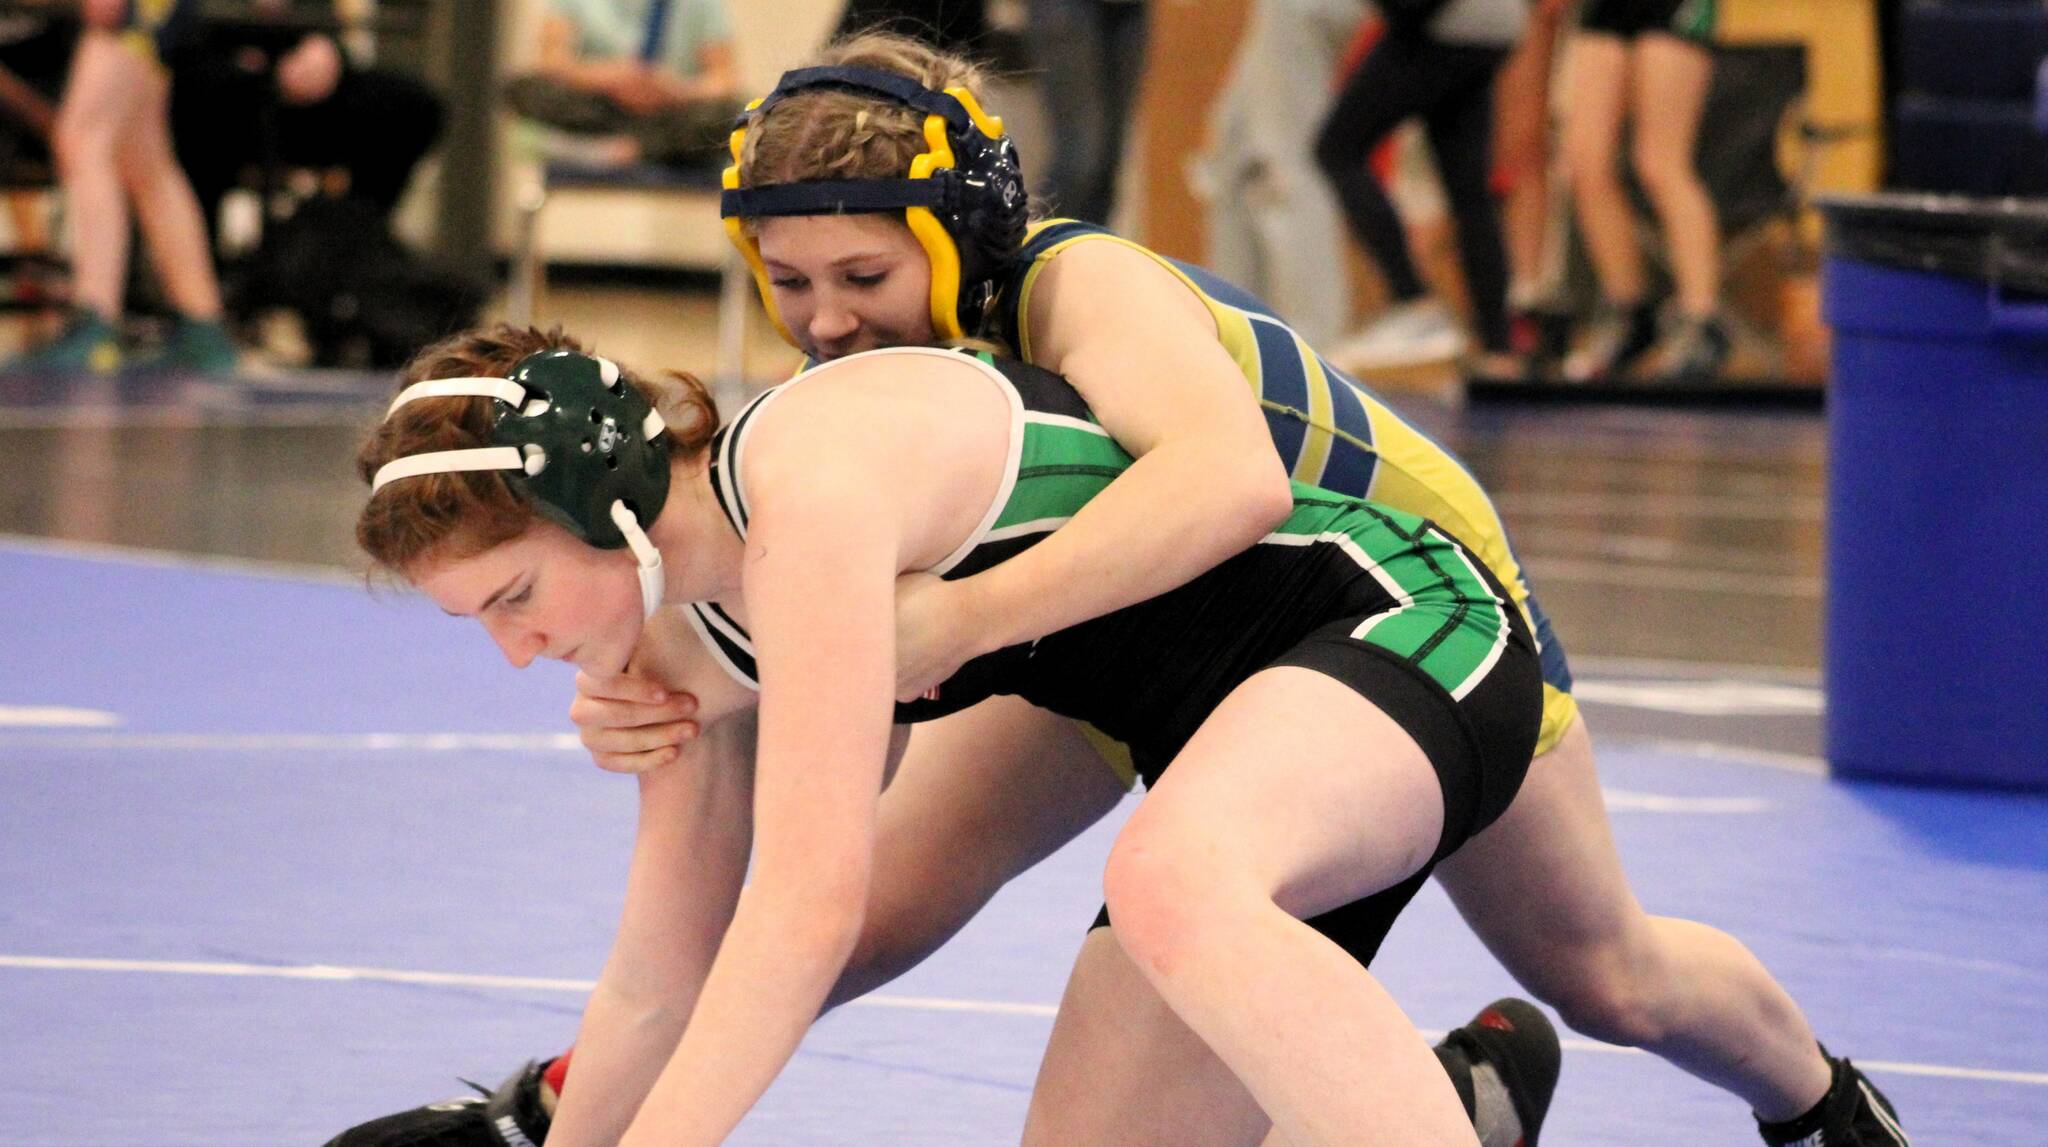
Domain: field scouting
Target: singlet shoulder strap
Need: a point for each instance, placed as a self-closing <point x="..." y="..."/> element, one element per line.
<point x="1039" y="241"/>
<point x="726" y="449"/>
<point x="727" y="640"/>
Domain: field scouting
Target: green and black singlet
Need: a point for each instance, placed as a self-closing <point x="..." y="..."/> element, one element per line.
<point x="1382" y="601"/>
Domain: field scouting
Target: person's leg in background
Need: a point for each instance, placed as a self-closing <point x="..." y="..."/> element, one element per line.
<point x="1070" y="53"/>
<point x="1522" y="172"/>
<point x="1124" y="36"/>
<point x="1460" y="130"/>
<point x="1668" y="92"/>
<point x="104" y="90"/>
<point x="31" y="231"/>
<point x="1627" y="326"/>
<point x="173" y="228"/>
<point x="1400" y="77"/>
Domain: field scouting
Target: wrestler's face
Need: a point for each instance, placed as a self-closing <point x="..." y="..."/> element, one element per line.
<point x="545" y="593"/>
<point x="848" y="283"/>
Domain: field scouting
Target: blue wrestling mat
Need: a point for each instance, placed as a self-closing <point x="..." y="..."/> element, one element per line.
<point x="278" y="854"/>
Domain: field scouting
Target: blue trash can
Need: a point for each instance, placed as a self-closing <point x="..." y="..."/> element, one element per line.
<point x="1936" y="645"/>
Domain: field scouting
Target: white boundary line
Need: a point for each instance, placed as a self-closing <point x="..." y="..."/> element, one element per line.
<point x="332" y="973"/>
<point x="296" y="742"/>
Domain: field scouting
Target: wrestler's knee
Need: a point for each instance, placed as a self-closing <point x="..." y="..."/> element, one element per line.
<point x="1613" y="990"/>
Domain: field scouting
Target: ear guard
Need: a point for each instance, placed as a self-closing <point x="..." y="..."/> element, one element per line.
<point x="963" y="198"/>
<point x="587" y="446"/>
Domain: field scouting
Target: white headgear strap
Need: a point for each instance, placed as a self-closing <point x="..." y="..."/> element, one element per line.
<point x="646" y="557"/>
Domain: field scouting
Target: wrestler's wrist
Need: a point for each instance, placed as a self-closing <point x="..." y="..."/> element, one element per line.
<point x="982" y="618"/>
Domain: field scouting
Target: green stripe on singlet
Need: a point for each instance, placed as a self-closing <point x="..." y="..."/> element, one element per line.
<point x="1451" y="625"/>
<point x="1062" y="465"/>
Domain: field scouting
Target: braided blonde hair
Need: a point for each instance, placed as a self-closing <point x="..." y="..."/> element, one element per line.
<point x="824" y="133"/>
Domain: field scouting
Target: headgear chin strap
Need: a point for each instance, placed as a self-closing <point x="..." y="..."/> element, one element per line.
<point x="587" y="446"/>
<point x="963" y="196"/>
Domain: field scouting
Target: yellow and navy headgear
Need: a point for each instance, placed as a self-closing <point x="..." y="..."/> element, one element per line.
<point x="963" y="197"/>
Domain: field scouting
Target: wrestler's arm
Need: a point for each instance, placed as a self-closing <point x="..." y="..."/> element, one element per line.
<point x="824" y="545"/>
<point x="1207" y="483"/>
<point x="689" y="858"/>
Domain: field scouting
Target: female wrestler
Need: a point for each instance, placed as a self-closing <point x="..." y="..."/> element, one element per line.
<point x="1319" y="719"/>
<point x="1161" y="352"/>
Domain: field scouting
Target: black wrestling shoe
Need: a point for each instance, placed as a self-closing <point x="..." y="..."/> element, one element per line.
<point x="1854" y="1113"/>
<point x="1516" y="1040"/>
<point x="511" y="1116"/>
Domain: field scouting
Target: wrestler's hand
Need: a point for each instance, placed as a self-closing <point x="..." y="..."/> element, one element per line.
<point x="631" y="724"/>
<point x="936" y="633"/>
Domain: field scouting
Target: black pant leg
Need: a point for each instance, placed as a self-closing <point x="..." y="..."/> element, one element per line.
<point x="1460" y="127"/>
<point x="1398" y="79"/>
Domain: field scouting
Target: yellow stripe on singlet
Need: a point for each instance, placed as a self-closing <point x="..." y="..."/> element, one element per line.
<point x="1316" y="445"/>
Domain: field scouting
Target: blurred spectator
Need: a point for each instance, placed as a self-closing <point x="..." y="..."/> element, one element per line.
<point x="655" y="79"/>
<point x="265" y="92"/>
<point x="113" y="146"/>
<point x="955" y="25"/>
<point x="35" y="51"/>
<point x="1436" y="60"/>
<point x="1090" y="55"/>
<point x="1647" y="62"/>
<point x="1272" y="219"/>
<point x="1522" y="168"/>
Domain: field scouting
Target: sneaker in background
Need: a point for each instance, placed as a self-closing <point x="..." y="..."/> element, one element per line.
<point x="196" y="346"/>
<point x="1698" y="352"/>
<point x="89" y="344"/>
<point x="1418" y="332"/>
<point x="1619" y="338"/>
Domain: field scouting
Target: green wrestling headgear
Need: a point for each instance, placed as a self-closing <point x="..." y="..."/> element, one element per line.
<point x="588" y="447"/>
